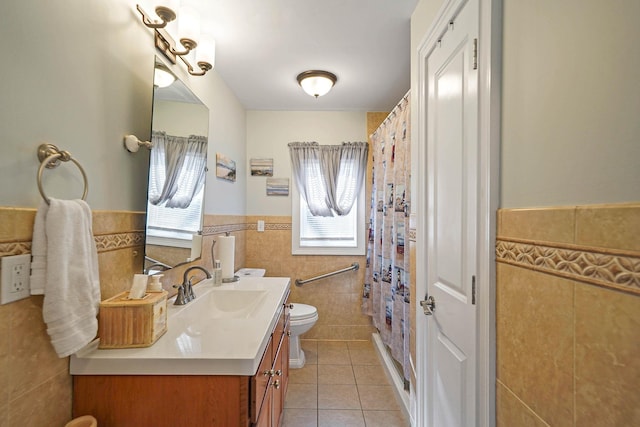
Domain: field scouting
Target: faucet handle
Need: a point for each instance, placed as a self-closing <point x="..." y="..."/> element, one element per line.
<point x="181" y="298"/>
<point x="189" y="294"/>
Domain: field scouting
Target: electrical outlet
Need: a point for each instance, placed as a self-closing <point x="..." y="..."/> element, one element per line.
<point x="260" y="225"/>
<point x="16" y="270"/>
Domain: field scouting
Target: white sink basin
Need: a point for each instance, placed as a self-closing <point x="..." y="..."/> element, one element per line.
<point x="233" y="304"/>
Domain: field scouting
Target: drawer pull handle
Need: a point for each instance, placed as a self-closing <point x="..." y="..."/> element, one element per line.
<point x="268" y="373"/>
<point x="278" y="372"/>
<point x="288" y="333"/>
<point x="290" y="306"/>
<point x="276" y="384"/>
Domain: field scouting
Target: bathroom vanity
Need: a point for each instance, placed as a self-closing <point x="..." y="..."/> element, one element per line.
<point x="222" y="362"/>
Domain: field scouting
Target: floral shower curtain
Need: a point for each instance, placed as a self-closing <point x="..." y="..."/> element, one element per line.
<point x="386" y="287"/>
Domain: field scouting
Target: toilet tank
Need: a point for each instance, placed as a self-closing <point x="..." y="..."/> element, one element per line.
<point x="251" y="272"/>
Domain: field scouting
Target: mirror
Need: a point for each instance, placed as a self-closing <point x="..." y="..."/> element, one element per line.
<point x="177" y="170"/>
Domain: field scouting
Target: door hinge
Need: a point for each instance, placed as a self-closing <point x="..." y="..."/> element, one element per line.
<point x="475" y="54"/>
<point x="473" y="290"/>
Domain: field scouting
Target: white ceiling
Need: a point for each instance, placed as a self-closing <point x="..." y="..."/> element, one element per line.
<point x="262" y="45"/>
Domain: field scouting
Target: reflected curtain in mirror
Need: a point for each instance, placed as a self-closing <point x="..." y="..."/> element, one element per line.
<point x="177" y="169"/>
<point x="176" y="180"/>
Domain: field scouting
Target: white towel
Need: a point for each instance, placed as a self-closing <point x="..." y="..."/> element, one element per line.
<point x="65" y="270"/>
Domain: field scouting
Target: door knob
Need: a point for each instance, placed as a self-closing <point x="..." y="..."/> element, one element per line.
<point x="429" y="306"/>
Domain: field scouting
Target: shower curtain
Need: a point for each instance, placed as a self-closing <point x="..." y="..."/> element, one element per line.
<point x="386" y="287"/>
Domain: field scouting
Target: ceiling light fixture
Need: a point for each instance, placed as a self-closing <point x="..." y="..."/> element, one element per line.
<point x="162" y="76"/>
<point x="190" y="38"/>
<point x="317" y="82"/>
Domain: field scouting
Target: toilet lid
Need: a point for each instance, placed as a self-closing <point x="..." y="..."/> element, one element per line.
<point x="302" y="311"/>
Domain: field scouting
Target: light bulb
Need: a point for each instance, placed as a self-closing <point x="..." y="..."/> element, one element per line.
<point x="188" y="24"/>
<point x="206" y="51"/>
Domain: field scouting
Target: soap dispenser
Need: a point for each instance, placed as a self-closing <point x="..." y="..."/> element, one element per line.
<point x="155" y="285"/>
<point x="217" y="273"/>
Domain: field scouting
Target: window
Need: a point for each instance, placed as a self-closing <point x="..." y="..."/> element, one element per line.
<point x="327" y="235"/>
<point x="328" y="198"/>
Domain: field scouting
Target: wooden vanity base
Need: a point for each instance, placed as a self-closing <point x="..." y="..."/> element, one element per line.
<point x="162" y="400"/>
<point x="192" y="400"/>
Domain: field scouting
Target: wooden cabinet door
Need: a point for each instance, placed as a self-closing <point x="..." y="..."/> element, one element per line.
<point x="260" y="383"/>
<point x="278" y="385"/>
<point x="264" y="418"/>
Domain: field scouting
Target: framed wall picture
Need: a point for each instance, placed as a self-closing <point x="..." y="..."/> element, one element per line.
<point x="225" y="167"/>
<point x="277" y="186"/>
<point x="261" y="167"/>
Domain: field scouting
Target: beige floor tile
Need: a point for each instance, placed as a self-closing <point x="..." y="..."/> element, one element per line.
<point x="335" y="374"/>
<point x="364" y="357"/>
<point x="338" y="396"/>
<point x="325" y="394"/>
<point x="369" y="375"/>
<point x="333" y="353"/>
<point x="310" y="349"/>
<point x="308" y="374"/>
<point x="385" y="419"/>
<point x="302" y="396"/>
<point x="341" y="418"/>
<point x="360" y="345"/>
<point x="377" y="397"/>
<point x="300" y="418"/>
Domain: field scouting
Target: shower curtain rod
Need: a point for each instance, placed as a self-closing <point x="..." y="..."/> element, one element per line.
<point x="393" y="110"/>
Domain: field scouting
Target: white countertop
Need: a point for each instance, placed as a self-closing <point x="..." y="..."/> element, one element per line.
<point x="202" y="337"/>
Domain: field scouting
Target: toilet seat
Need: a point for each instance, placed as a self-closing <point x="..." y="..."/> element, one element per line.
<point x="302" y="312"/>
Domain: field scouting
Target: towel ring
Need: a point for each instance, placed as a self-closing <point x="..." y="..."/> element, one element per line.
<point x="50" y="157"/>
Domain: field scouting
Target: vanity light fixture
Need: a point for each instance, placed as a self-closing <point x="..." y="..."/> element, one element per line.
<point x="189" y="38"/>
<point x="316" y="82"/>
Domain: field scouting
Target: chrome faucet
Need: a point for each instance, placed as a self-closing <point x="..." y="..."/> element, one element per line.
<point x="185" y="290"/>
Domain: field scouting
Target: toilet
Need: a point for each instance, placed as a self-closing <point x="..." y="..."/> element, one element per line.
<point x="302" y="318"/>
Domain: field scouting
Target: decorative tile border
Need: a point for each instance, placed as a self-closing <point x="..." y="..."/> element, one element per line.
<point x="223" y="228"/>
<point x="603" y="267"/>
<point x="15" y="248"/>
<point x="104" y="243"/>
<point x="219" y="229"/>
<point x="110" y="242"/>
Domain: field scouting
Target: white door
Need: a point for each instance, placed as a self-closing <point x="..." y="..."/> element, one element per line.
<point x="452" y="215"/>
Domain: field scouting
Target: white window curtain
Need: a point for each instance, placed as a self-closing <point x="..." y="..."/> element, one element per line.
<point x="329" y="177"/>
<point x="177" y="169"/>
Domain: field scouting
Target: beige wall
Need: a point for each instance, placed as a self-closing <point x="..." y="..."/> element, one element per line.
<point x="80" y="77"/>
<point x="269" y="132"/>
<point x="568" y="315"/>
<point x="570" y="103"/>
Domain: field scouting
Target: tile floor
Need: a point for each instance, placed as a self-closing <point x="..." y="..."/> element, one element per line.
<point x="341" y="385"/>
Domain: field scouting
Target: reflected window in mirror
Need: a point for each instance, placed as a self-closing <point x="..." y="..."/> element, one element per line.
<point x="177" y="174"/>
<point x="176" y="186"/>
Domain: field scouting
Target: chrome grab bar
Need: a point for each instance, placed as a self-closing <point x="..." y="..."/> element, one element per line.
<point x="354" y="266"/>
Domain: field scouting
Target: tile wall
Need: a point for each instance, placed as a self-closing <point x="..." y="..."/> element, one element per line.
<point x="568" y="316"/>
<point x="35" y="385"/>
<point x="337" y="298"/>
